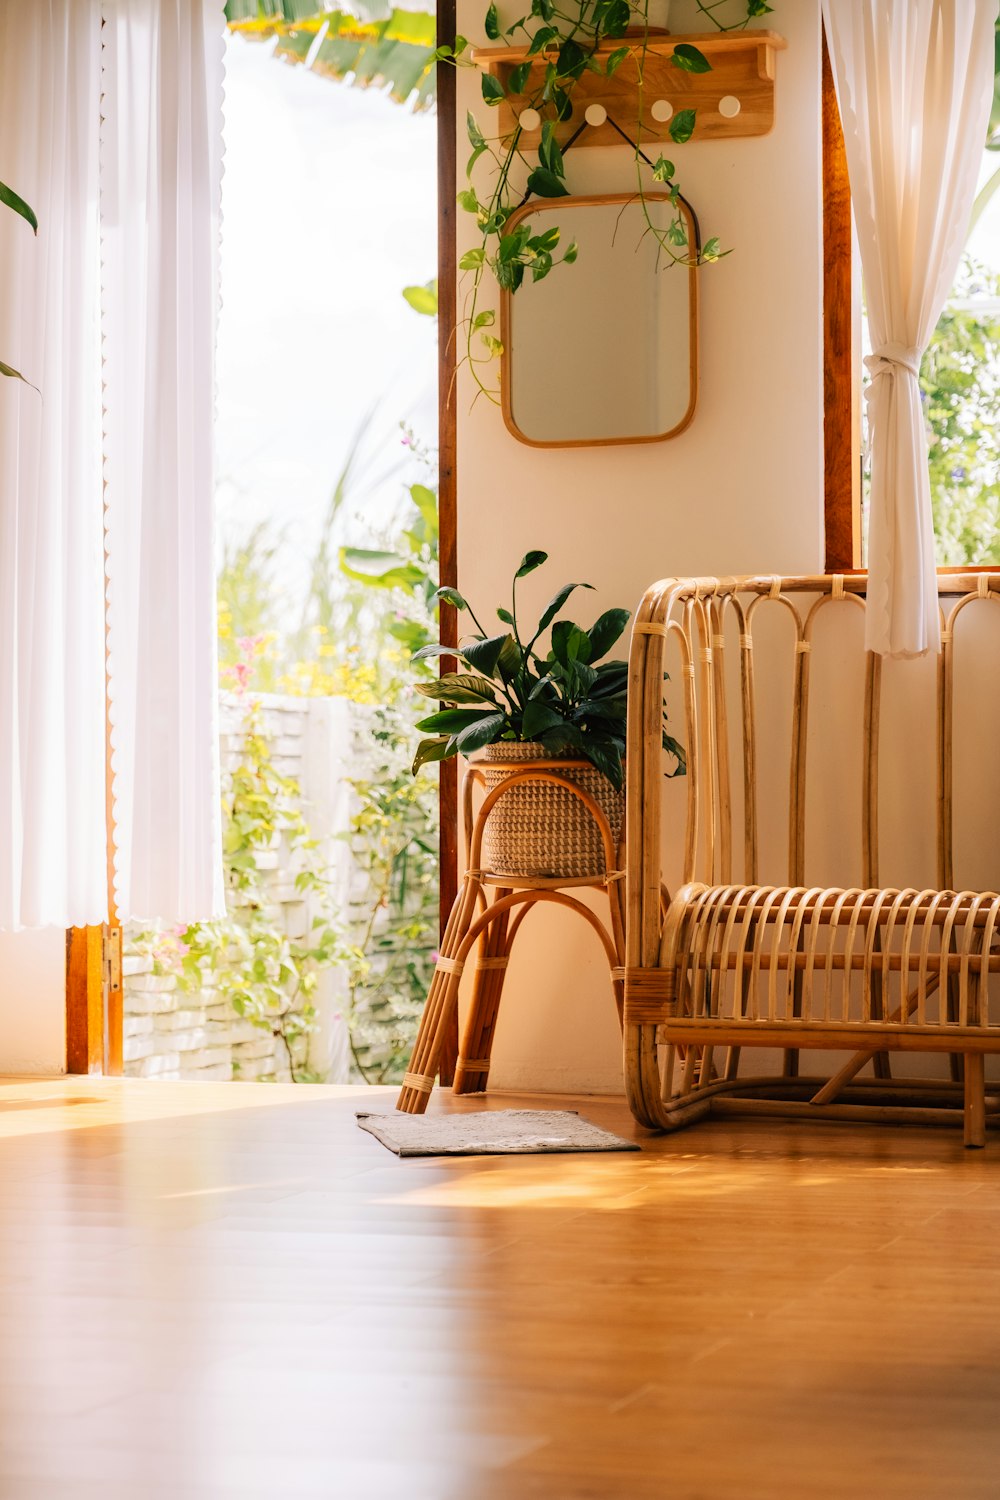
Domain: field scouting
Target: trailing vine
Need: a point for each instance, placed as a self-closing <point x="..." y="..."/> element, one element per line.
<point x="565" y="39"/>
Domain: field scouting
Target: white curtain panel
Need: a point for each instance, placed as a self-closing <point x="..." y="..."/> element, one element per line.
<point x="161" y="168"/>
<point x="914" y="82"/>
<point x="52" y="813"/>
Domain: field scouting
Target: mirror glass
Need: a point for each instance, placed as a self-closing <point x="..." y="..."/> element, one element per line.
<point x="603" y="350"/>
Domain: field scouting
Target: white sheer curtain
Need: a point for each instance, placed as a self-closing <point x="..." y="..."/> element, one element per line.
<point x="140" y="192"/>
<point x="914" y="82"/>
<point x="52" y="824"/>
<point x="161" y="168"/>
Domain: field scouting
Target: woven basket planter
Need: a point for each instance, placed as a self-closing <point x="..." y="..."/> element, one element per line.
<point x="536" y="828"/>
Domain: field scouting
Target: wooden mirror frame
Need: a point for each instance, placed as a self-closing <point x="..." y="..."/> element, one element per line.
<point x="559" y="205"/>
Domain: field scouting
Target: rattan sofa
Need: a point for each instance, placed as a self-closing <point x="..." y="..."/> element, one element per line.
<point x="730" y="979"/>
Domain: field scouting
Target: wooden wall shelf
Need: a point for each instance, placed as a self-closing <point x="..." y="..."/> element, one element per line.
<point x="743" y="70"/>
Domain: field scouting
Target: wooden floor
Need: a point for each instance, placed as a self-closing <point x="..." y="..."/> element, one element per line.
<point x="228" y="1290"/>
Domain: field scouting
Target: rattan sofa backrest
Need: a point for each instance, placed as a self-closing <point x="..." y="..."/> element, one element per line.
<point x="780" y="708"/>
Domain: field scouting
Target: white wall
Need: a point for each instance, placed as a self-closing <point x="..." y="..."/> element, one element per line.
<point x="739" y="491"/>
<point x="33" y="1001"/>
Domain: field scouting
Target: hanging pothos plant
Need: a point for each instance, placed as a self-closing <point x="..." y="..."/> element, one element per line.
<point x="563" y="39"/>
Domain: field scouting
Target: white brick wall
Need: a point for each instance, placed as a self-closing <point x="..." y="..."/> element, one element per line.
<point x="174" y="1032"/>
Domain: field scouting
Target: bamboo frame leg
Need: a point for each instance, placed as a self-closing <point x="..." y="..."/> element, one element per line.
<point x="484" y="1005"/>
<point x="881" y="1065"/>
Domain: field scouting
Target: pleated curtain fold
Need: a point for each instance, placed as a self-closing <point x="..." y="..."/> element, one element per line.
<point x="914" y="82"/>
<point x="123" y="358"/>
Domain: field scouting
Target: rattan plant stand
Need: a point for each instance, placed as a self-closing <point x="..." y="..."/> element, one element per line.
<point x="487" y="915"/>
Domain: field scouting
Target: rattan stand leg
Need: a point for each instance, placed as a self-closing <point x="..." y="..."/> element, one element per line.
<point x="442" y="998"/>
<point x="473" y="1070"/>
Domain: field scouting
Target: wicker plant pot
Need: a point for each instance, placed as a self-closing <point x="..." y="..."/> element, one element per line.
<point x="536" y="828"/>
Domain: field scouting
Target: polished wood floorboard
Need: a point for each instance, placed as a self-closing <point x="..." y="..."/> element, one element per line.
<point x="229" y="1292"/>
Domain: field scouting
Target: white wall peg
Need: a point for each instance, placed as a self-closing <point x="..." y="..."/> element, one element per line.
<point x="529" y="119"/>
<point x="595" y="114"/>
<point x="661" y="109"/>
<point x="729" y="106"/>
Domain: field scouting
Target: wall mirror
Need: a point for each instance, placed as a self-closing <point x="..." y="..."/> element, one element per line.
<point x="605" y="350"/>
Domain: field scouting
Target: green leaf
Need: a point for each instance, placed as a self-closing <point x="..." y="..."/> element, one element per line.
<point x="569" y="643"/>
<point x="606" y="630"/>
<point x="493" y="89"/>
<point x="689" y="59"/>
<point x="426" y="502"/>
<point x="476" y="137"/>
<point x="615" y="60"/>
<point x="673" y="747"/>
<point x="450" y="596"/>
<point x="564" y="107"/>
<point x="546" y="184"/>
<point x="543" y="37"/>
<point x="539" y="717"/>
<point x="571" y="60"/>
<point x="549" y="154"/>
<point x="13" y="374"/>
<point x="426" y="653"/>
<point x="519" y="77"/>
<point x="492" y="344"/>
<point x="612" y="679"/>
<point x="471" y="260"/>
<point x="491" y="25"/>
<point x="570" y="253"/>
<point x="423" y="299"/>
<point x="556" y="603"/>
<point x="467" y="199"/>
<point x="431" y="750"/>
<point x="485" y="732"/>
<point x="540" y="243"/>
<point x="565" y="737"/>
<point x="12" y="200"/>
<point x="606" y="757"/>
<point x="484" y="656"/>
<point x="505" y="615"/>
<point x="682" y="126"/>
<point x="459" y="687"/>
<point x="617" y="18"/>
<point x="485" y="319"/>
<point x="384" y="570"/>
<point x="711" y="250"/>
<point x="511" y="660"/>
<point x="450" y="720"/>
<point x="663" y="169"/>
<point x="529" y="562"/>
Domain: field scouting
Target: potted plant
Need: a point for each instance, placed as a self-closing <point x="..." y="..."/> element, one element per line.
<point x="512" y="704"/>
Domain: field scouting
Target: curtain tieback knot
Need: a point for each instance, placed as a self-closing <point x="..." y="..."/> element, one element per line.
<point x="889" y="359"/>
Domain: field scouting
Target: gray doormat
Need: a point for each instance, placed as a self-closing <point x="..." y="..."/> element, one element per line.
<point x="490" y="1132"/>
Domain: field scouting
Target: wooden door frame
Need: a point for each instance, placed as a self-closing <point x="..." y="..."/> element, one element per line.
<point x="94" y="1002"/>
<point x="447" y="186"/>
<point x="841" y="363"/>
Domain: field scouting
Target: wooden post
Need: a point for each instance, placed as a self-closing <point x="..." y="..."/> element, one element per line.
<point x="447" y="443"/>
<point x="841" y="406"/>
